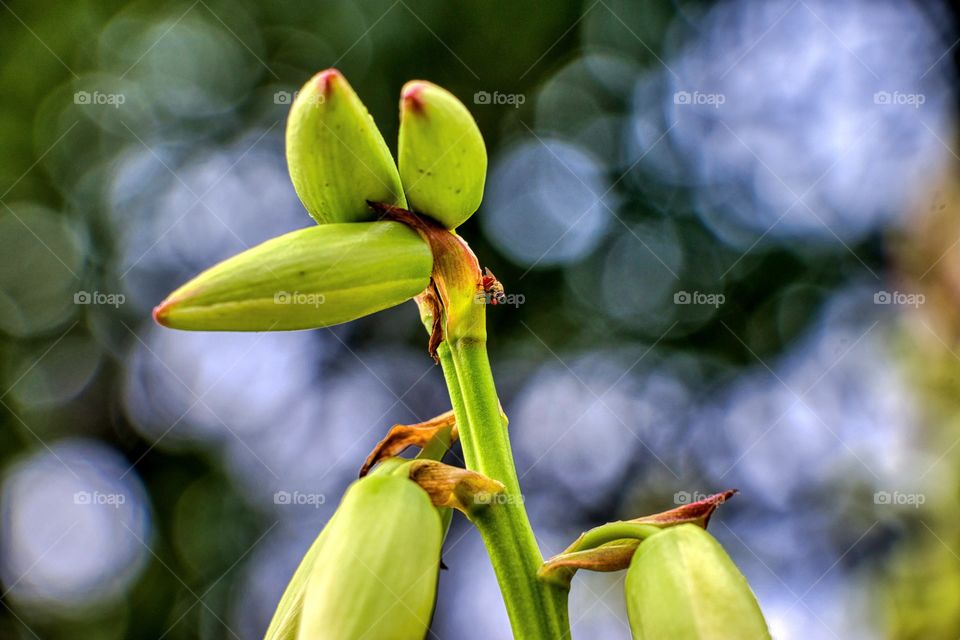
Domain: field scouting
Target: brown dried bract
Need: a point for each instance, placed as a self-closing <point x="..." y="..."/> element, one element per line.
<point x="454" y="487"/>
<point x="431" y="299"/>
<point x="402" y="436"/>
<point x="698" y="512"/>
<point x="455" y="278"/>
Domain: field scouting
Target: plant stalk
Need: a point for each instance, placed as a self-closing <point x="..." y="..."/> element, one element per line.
<point x="537" y="610"/>
<point x="455" y="317"/>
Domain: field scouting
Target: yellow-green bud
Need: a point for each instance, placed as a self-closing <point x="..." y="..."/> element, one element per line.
<point x="314" y="277"/>
<point x="375" y="574"/>
<point x="337" y="157"/>
<point x="372" y="571"/>
<point x="681" y="585"/>
<point x="442" y="158"/>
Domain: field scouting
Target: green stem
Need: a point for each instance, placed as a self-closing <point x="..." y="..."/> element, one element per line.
<point x="536" y="609"/>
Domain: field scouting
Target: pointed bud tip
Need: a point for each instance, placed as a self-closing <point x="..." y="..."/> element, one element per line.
<point x="411" y="98"/>
<point x="161" y="313"/>
<point x="325" y="79"/>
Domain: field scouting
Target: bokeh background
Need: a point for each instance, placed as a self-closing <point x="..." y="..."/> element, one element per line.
<point x="733" y="227"/>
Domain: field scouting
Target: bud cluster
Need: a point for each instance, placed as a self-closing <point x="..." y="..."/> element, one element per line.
<point x="385" y="234"/>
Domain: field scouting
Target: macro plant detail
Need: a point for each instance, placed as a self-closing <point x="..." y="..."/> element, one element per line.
<point x="386" y="234"/>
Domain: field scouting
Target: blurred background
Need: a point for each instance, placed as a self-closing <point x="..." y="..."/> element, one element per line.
<point x="732" y="229"/>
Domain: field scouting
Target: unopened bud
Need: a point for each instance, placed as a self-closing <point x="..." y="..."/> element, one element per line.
<point x="336" y="156"/>
<point x="372" y="572"/>
<point x="442" y="158"/>
<point x="682" y="585"/>
<point x="315" y="277"/>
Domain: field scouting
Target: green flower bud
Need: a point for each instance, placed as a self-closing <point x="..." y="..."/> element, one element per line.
<point x="443" y="162"/>
<point x="375" y="574"/>
<point x="682" y="585"/>
<point x="314" y="277"/>
<point x="335" y="153"/>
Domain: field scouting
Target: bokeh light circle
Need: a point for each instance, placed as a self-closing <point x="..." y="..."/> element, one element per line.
<point x="76" y="527"/>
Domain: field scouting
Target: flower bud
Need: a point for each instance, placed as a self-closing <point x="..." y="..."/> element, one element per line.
<point x="442" y="158"/>
<point x="682" y="585"/>
<point x="336" y="156"/>
<point x="372" y="572"/>
<point x="314" y="277"/>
